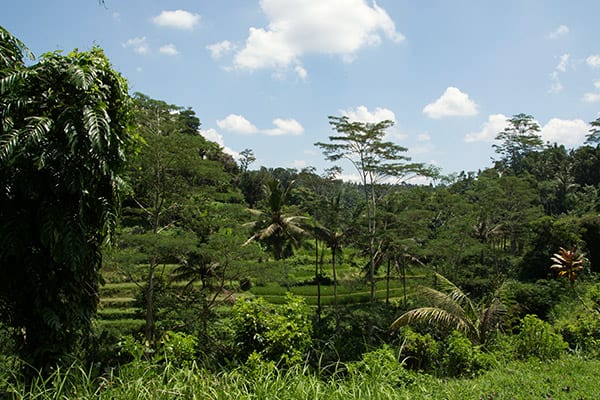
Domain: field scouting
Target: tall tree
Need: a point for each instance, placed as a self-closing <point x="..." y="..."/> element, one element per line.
<point x="516" y="141"/>
<point x="594" y="136"/>
<point x="375" y="160"/>
<point x="64" y="137"/>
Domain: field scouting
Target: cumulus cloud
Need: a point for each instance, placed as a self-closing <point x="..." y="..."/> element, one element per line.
<point x="362" y="114"/>
<point x="564" y="61"/>
<point x="564" y="131"/>
<point x="138" y="44"/>
<point x="562" y="30"/>
<point x="179" y="19"/>
<point x="214" y="136"/>
<point x="168" y="49"/>
<point x="302" y="73"/>
<point x="489" y="129"/>
<point x="237" y="123"/>
<point x="593" y="60"/>
<point x="299" y="27"/>
<point x="284" y="127"/>
<point x="453" y="103"/>
<point x="591" y="97"/>
<point x="218" y="50"/>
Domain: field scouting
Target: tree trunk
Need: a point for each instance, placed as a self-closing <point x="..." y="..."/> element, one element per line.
<point x="149" y="329"/>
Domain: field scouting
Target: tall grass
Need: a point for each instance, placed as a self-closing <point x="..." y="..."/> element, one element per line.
<point x="567" y="378"/>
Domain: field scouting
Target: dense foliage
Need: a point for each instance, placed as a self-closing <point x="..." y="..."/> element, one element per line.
<point x="64" y="135"/>
<point x="274" y="276"/>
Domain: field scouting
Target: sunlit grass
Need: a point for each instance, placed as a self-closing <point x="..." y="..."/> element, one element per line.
<point x="567" y="378"/>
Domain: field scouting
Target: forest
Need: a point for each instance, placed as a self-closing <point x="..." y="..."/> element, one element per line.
<point x="142" y="261"/>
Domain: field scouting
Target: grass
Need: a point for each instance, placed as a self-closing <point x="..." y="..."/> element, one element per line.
<point x="567" y="378"/>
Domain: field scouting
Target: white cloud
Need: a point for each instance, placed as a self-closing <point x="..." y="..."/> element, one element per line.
<point x="285" y="127"/>
<point x="423" y="137"/>
<point x="179" y="19"/>
<point x="302" y="73"/>
<point x="597" y="84"/>
<point x="299" y="27"/>
<point x="593" y="60"/>
<point x="489" y="129"/>
<point x="299" y="164"/>
<point x="557" y="86"/>
<point x="138" y="44"/>
<point x="362" y="114"/>
<point x="562" y="30"/>
<point x="218" y="50"/>
<point x="564" y="61"/>
<point x="237" y="123"/>
<point x="564" y="131"/>
<point x="214" y="136"/>
<point x="169" y="49"/>
<point x="591" y="97"/>
<point x="453" y="103"/>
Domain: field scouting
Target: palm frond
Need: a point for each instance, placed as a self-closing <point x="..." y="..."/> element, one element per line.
<point x="435" y="316"/>
<point x="8" y="82"/>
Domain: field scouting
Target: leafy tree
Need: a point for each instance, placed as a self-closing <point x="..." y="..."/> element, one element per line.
<point x="518" y="139"/>
<point x="453" y="309"/>
<point x="246" y="158"/>
<point x="64" y="137"/>
<point x="175" y="179"/>
<point x="594" y="136"/>
<point x="279" y="231"/>
<point x="375" y="160"/>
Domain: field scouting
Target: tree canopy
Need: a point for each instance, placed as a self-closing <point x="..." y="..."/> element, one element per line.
<point x="64" y="139"/>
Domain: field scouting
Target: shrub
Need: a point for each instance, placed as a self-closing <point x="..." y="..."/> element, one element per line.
<point x="461" y="358"/>
<point x="582" y="333"/>
<point x="536" y="338"/>
<point x="382" y="365"/>
<point x="419" y="351"/>
<point x="280" y="333"/>
<point x="177" y="348"/>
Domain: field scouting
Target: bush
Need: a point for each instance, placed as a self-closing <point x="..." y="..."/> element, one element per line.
<point x="177" y="348"/>
<point x="280" y="333"/>
<point x="536" y="338"/>
<point x="461" y="358"/>
<point x="380" y="365"/>
<point x="419" y="351"/>
<point x="582" y="334"/>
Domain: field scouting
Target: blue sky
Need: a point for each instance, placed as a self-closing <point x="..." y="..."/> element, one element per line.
<point x="266" y="74"/>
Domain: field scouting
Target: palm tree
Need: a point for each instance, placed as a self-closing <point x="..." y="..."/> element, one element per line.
<point x="453" y="309"/>
<point x="333" y="237"/>
<point x="280" y="232"/>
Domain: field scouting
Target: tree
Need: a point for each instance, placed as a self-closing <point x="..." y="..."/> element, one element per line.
<point x="375" y="160"/>
<point x="175" y="177"/>
<point x="594" y="136"/>
<point x="279" y="231"/>
<point x="64" y="139"/>
<point x="453" y="309"/>
<point x="246" y="158"/>
<point x="518" y="139"/>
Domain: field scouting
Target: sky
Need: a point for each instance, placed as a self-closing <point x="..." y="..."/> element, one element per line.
<point x="265" y="75"/>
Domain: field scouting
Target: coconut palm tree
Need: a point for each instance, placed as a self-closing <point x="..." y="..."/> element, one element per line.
<point x="279" y="231"/>
<point x="453" y="309"/>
